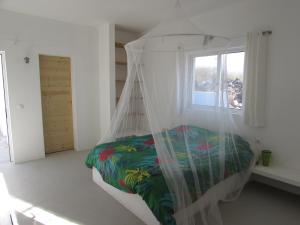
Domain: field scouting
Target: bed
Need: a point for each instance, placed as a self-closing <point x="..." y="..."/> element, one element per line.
<point x="129" y="170"/>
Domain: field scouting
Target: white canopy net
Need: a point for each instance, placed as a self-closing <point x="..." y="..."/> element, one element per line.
<point x="200" y="156"/>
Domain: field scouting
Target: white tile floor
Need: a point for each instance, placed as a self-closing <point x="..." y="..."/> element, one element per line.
<point x="60" y="189"/>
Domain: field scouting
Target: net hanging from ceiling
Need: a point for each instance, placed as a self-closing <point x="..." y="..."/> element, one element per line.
<point x="199" y="154"/>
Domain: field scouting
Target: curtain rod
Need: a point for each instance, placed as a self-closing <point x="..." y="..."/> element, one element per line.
<point x="264" y="32"/>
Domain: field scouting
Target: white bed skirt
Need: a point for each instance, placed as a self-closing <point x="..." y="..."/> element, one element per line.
<point x="224" y="191"/>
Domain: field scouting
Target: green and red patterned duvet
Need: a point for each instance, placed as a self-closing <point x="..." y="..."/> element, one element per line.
<point x="131" y="164"/>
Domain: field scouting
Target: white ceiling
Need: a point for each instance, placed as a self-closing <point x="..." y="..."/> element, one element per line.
<point x="138" y="15"/>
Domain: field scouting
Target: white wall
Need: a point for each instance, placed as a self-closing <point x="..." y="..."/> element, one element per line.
<point x="281" y="133"/>
<point x="22" y="36"/>
<point x="125" y="36"/>
<point x="3" y="125"/>
<point x="107" y="91"/>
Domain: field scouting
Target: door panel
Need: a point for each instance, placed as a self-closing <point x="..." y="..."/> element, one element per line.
<point x="55" y="74"/>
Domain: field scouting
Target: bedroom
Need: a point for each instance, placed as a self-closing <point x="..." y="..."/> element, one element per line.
<point x="87" y="33"/>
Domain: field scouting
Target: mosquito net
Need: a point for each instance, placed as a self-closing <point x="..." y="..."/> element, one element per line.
<point x="184" y="100"/>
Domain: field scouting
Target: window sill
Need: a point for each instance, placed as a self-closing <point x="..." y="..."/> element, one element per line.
<point x="238" y="112"/>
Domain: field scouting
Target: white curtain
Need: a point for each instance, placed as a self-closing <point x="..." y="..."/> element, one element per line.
<point x="256" y="79"/>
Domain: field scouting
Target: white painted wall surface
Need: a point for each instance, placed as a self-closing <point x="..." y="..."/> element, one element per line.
<point x="281" y="133"/>
<point x="22" y="36"/>
<point x="125" y="36"/>
<point x="107" y="91"/>
<point x="82" y="44"/>
<point x="3" y="125"/>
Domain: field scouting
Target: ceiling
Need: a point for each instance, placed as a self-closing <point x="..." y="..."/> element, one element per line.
<point x="136" y="15"/>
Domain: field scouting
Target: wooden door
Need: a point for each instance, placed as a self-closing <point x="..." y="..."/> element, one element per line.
<point x="55" y="74"/>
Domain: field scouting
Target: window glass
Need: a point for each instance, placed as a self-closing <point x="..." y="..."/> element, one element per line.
<point x="207" y="76"/>
<point x="205" y="80"/>
<point x="235" y="78"/>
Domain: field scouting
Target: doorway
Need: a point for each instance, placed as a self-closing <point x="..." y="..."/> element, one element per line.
<point x="56" y="92"/>
<point x="4" y="142"/>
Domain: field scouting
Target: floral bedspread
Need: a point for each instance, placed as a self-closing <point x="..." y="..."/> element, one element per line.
<point x="131" y="165"/>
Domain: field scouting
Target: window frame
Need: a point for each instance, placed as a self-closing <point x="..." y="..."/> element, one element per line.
<point x="191" y="71"/>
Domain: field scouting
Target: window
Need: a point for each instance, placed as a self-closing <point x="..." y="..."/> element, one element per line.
<point x="207" y="77"/>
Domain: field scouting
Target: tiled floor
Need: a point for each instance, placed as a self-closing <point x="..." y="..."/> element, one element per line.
<point x="60" y="190"/>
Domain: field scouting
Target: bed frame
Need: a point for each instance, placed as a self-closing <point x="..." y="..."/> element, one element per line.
<point x="135" y="203"/>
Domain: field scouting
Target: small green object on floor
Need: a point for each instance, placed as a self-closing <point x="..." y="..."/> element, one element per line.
<point x="266" y="157"/>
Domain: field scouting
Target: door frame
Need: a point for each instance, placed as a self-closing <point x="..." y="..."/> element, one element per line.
<point x="62" y="53"/>
<point x="7" y="109"/>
